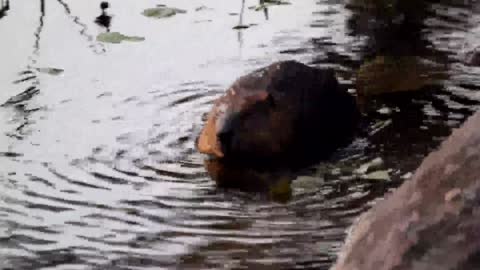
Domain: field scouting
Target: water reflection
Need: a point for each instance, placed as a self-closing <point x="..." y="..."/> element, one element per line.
<point x="39" y="29"/>
<point x="28" y="76"/>
<point x="240" y="24"/>
<point x="274" y="183"/>
<point x="104" y="19"/>
<point x="97" y="47"/>
<point x="265" y="8"/>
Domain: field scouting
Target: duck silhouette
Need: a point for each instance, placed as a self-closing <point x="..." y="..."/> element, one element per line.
<point x="104" y="19"/>
<point x="4" y="7"/>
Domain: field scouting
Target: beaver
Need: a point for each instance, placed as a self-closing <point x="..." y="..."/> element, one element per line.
<point x="284" y="111"/>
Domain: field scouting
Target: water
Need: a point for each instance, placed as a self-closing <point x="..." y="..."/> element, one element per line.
<point x="98" y="165"/>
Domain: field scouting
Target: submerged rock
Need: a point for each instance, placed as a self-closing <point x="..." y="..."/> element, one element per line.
<point x="287" y="111"/>
<point x="432" y="222"/>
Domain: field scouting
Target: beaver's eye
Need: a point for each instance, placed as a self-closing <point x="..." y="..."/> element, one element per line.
<point x="271" y="101"/>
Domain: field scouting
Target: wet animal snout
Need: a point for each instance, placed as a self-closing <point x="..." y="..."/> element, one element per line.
<point x="225" y="137"/>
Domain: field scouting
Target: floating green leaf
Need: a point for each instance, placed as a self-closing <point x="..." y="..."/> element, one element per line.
<point x="50" y="71"/>
<point x="115" y="37"/>
<point x="162" y="12"/>
<point x="200" y="8"/>
<point x="243" y="26"/>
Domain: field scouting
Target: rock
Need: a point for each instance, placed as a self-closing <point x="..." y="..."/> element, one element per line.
<point x="432" y="221"/>
<point x="287" y="111"/>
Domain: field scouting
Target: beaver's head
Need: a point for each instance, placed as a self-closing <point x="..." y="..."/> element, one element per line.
<point x="241" y="121"/>
<point x="277" y="112"/>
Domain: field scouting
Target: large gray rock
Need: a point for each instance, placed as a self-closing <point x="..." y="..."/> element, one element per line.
<point x="278" y="111"/>
<point x="431" y="222"/>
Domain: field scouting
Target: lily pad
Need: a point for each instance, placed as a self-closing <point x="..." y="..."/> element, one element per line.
<point x="51" y="71"/>
<point x="115" y="37"/>
<point x="162" y="12"/>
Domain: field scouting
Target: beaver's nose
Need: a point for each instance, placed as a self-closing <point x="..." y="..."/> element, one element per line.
<point x="225" y="137"/>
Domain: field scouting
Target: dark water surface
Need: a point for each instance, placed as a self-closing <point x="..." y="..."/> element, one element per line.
<point x="97" y="163"/>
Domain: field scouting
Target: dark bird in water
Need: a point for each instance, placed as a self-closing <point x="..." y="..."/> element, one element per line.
<point x="104" y="5"/>
<point x="4" y="7"/>
<point x="104" y="19"/>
